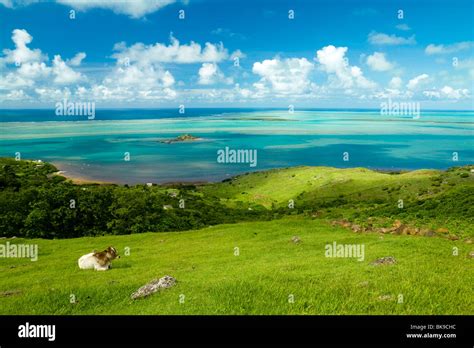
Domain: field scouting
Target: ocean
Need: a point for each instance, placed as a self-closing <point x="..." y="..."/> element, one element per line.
<point x="98" y="149"/>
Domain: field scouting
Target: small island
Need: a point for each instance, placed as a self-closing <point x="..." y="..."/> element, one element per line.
<point x="180" y="138"/>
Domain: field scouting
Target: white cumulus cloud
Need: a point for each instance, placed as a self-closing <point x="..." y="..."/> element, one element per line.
<point x="378" y="62"/>
<point x="63" y="73"/>
<point x="283" y="76"/>
<point x="332" y="60"/>
<point x="29" y="67"/>
<point x="77" y="59"/>
<point x="395" y="82"/>
<point x="22" y="53"/>
<point x="172" y="53"/>
<point x="417" y="81"/>
<point x="448" y="92"/>
<point x="209" y="73"/>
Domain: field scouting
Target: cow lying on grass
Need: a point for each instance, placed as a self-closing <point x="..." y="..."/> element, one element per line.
<point x="100" y="261"/>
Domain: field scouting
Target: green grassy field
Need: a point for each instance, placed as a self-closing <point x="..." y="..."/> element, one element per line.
<point x="260" y="280"/>
<point x="271" y="274"/>
<point x="432" y="199"/>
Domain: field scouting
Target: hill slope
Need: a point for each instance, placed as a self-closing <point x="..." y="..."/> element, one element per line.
<point x="429" y="199"/>
<point x="269" y="268"/>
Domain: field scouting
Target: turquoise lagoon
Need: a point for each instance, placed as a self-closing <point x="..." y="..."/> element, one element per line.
<point x="95" y="149"/>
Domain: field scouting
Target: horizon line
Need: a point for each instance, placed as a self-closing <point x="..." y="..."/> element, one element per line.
<point x="233" y="108"/>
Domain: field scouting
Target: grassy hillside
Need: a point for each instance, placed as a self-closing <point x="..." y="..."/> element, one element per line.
<point x="431" y="199"/>
<point x="277" y="186"/>
<point x="260" y="280"/>
<point x="432" y="275"/>
<point x="35" y="202"/>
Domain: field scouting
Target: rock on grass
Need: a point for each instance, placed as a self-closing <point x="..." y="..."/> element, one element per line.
<point x="296" y="239"/>
<point x="153" y="286"/>
<point x="388" y="260"/>
<point x="10" y="293"/>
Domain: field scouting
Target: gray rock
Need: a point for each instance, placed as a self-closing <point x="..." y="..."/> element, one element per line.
<point x="10" y="293"/>
<point x="153" y="286"/>
<point x="388" y="260"/>
<point x="296" y="239"/>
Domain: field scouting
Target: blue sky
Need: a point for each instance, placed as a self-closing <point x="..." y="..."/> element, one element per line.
<point x="237" y="53"/>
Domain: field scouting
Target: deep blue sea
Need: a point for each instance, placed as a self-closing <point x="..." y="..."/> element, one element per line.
<point x="96" y="149"/>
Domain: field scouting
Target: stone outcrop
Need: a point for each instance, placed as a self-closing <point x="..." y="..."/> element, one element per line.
<point x="388" y="260"/>
<point x="296" y="239"/>
<point x="153" y="286"/>
<point x="397" y="228"/>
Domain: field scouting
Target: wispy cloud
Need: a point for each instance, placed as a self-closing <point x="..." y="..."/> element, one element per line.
<point x="403" y="26"/>
<point x="365" y="12"/>
<point x="132" y="8"/>
<point x="224" y="32"/>
<point x="447" y="49"/>
<point x="385" y="39"/>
